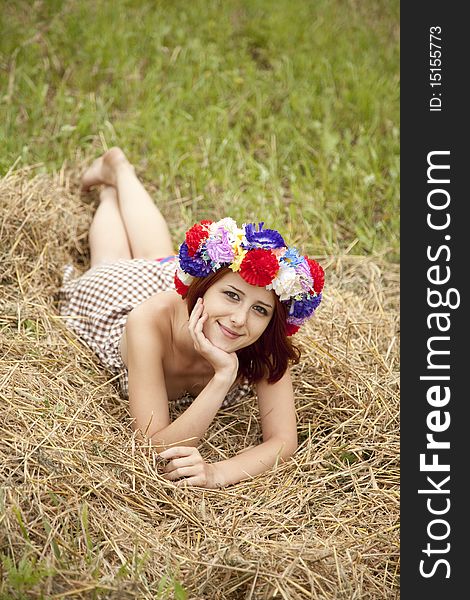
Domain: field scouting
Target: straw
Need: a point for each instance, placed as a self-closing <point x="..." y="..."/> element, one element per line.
<point x="84" y="503"/>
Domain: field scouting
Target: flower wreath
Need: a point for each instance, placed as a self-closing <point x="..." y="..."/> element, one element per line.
<point x="260" y="256"/>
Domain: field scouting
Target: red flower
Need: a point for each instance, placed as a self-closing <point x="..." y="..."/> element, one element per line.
<point x="291" y="329"/>
<point x="317" y="273"/>
<point x="259" y="267"/>
<point x="180" y="287"/>
<point x="196" y="235"/>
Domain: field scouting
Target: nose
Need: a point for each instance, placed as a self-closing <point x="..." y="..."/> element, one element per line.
<point x="238" y="316"/>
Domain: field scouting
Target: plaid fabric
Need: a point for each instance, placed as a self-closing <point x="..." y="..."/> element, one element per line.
<point x="96" y="305"/>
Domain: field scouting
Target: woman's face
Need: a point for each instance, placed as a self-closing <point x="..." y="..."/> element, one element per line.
<point x="238" y="313"/>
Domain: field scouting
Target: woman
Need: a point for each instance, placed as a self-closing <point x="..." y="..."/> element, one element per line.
<point x="204" y="322"/>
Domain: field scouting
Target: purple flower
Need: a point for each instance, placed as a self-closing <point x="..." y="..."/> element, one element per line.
<point x="305" y="275"/>
<point x="294" y="321"/>
<point x="193" y="265"/>
<point x="316" y="301"/>
<point x="303" y="309"/>
<point x="263" y="238"/>
<point x="219" y="249"/>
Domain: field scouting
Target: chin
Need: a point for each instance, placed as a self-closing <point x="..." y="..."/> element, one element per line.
<point x="216" y="337"/>
<point x="224" y="344"/>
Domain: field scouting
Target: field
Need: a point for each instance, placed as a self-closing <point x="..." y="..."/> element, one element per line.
<point x="288" y="112"/>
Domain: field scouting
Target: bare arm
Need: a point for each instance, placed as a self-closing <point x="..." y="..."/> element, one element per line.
<point x="279" y="427"/>
<point x="278" y="421"/>
<point x="148" y="399"/>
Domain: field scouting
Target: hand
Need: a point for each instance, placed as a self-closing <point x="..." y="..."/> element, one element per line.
<point x="187" y="467"/>
<point x="223" y="362"/>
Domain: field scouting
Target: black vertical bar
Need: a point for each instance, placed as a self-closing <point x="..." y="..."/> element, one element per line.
<point x="434" y="255"/>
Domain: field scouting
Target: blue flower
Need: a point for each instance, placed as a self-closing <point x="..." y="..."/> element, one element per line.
<point x="263" y="238"/>
<point x="292" y="257"/>
<point x="303" y="309"/>
<point x="193" y="265"/>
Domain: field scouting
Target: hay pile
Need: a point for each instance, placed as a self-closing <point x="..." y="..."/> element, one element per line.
<point x="84" y="512"/>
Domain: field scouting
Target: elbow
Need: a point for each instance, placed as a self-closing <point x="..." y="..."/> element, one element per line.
<point x="286" y="447"/>
<point x="290" y="450"/>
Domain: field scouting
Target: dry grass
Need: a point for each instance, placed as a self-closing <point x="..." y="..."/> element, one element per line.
<point x="83" y="504"/>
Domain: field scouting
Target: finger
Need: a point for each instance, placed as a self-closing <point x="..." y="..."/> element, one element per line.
<point x="182" y="472"/>
<point x="197" y="334"/>
<point x="196" y="312"/>
<point x="177" y="452"/>
<point x="187" y="461"/>
<point x="200" y="324"/>
<point x="198" y="480"/>
<point x="194" y="322"/>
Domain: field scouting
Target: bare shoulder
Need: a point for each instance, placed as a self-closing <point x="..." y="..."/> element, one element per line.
<point x="146" y="343"/>
<point x="156" y="307"/>
<point x="272" y="392"/>
<point x="151" y="320"/>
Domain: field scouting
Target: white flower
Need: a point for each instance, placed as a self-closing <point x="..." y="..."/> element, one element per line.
<point x="184" y="277"/>
<point x="285" y="283"/>
<point x="228" y="224"/>
<point x="236" y="235"/>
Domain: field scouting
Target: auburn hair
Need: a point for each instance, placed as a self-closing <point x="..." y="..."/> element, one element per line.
<point x="270" y="355"/>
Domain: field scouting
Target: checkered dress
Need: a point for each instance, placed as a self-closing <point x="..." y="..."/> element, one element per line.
<point x="96" y="305"/>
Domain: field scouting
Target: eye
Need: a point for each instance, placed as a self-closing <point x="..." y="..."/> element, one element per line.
<point x="261" y="310"/>
<point x="232" y="295"/>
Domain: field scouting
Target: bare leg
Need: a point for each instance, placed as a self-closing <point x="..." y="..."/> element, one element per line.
<point x="107" y="235"/>
<point x="147" y="230"/>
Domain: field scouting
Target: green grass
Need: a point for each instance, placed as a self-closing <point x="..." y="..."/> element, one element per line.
<point x="28" y="577"/>
<point x="286" y="111"/>
<point x="19" y="579"/>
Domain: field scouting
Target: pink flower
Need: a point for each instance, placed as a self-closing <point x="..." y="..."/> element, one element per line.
<point x="219" y="249"/>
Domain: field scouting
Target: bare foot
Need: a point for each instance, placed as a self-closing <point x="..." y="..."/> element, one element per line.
<point x="103" y="169"/>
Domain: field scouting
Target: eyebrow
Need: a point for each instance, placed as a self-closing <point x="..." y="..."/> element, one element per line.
<point x="243" y="294"/>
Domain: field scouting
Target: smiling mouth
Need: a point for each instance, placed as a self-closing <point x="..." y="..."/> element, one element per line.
<point x="228" y="332"/>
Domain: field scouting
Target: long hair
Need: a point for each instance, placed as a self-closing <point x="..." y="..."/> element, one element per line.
<point x="272" y="352"/>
